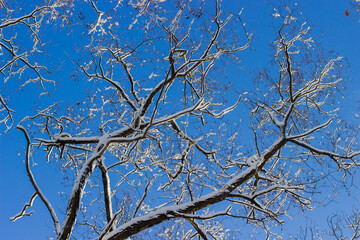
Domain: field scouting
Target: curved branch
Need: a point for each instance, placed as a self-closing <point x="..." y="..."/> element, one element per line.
<point x="33" y="182"/>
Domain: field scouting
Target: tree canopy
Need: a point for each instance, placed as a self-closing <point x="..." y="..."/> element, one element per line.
<point x="139" y="107"/>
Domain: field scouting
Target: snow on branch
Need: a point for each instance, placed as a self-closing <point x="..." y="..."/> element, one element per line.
<point x="23" y="211"/>
<point x="149" y="144"/>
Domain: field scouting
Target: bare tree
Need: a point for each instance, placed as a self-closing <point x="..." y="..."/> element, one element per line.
<point x="345" y="227"/>
<point x="15" y="58"/>
<point x="341" y="226"/>
<point x="146" y="152"/>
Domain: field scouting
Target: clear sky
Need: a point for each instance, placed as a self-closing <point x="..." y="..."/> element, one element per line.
<point x="330" y="27"/>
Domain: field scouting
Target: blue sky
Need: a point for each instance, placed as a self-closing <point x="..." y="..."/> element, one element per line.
<point x="330" y="27"/>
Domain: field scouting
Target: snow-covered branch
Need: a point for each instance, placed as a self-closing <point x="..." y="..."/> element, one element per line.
<point x="152" y="142"/>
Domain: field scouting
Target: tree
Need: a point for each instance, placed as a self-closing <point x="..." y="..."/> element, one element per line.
<point x="149" y="144"/>
<point x="17" y="56"/>
<point x="344" y="226"/>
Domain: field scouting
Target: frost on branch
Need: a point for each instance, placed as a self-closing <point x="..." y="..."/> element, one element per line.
<point x="148" y="151"/>
<point x="14" y="60"/>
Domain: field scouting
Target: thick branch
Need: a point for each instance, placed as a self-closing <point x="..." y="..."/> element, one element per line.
<point x="107" y="190"/>
<point x="140" y="223"/>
